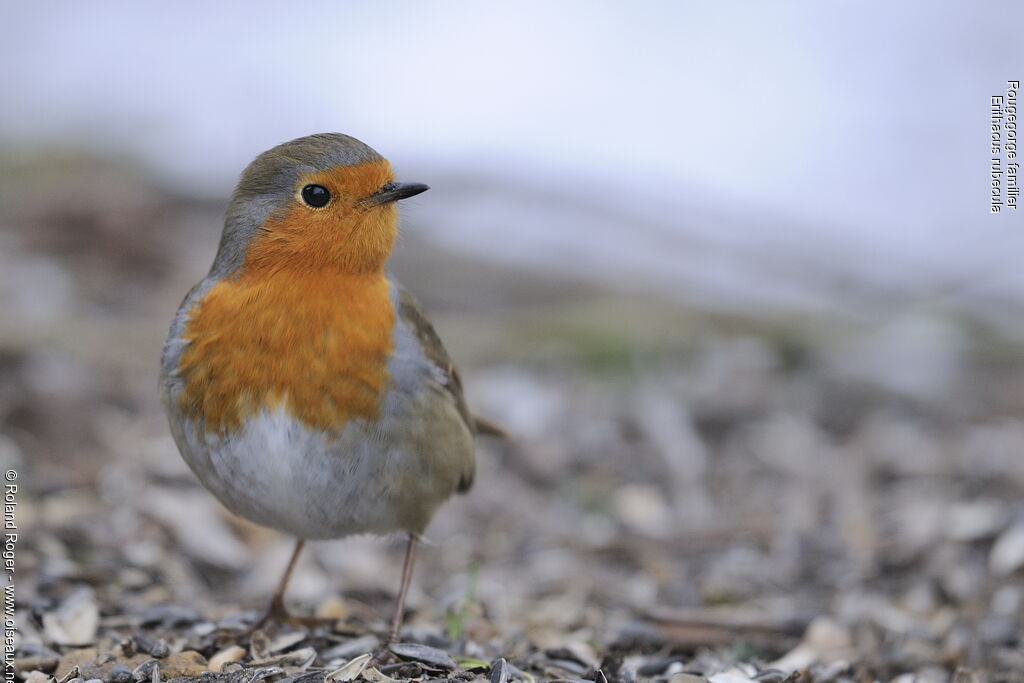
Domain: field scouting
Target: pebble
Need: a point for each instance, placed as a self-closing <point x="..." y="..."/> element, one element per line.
<point x="46" y="663"/>
<point x="75" y="621"/>
<point x="1007" y="554"/>
<point x="154" y="647"/>
<point x="283" y="641"/>
<point x="499" y="671"/>
<point x="332" y="608"/>
<point x="232" y="653"/>
<point x="570" y="665"/>
<point x="145" y="671"/>
<point x="657" y="667"/>
<point x="120" y="674"/>
<point x="351" y="648"/>
<point x="424" y="653"/>
<point x="730" y="677"/>
<point x="403" y="670"/>
<point x="186" y="663"/>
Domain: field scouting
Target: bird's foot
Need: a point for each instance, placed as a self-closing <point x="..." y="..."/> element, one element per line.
<point x="382" y="656"/>
<point x="276" y="612"/>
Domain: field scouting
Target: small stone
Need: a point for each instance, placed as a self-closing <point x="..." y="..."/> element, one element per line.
<point x="127" y="646"/>
<point x="732" y="676"/>
<point x="144" y="672"/>
<point x="1007" y="554"/>
<point x="283" y="641"/>
<point x="45" y="663"/>
<point x="75" y="621"/>
<point x="686" y="678"/>
<point x="332" y="608"/>
<point x="204" y="628"/>
<point x="351" y="648"/>
<point x="92" y="664"/>
<point x="403" y="670"/>
<point x="643" y="509"/>
<point x="657" y="667"/>
<point x="233" y="653"/>
<point x="120" y="674"/>
<point x="154" y="647"/>
<point x="36" y="677"/>
<point x="187" y="663"/>
<point x="975" y="520"/>
<point x="824" y="640"/>
<point x="499" y="671"/>
<point x="569" y="665"/>
<point x="424" y="653"/>
<point x="577" y="652"/>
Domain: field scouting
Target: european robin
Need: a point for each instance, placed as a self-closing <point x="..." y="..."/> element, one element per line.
<point x="303" y="385"/>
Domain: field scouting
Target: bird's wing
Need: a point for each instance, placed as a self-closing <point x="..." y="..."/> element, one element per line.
<point x="448" y="376"/>
<point x="411" y="314"/>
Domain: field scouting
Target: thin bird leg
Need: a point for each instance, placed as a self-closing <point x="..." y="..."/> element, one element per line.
<point x="410" y="558"/>
<point x="276" y="610"/>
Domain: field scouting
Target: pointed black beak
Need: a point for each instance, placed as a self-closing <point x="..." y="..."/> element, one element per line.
<point x="392" y="192"/>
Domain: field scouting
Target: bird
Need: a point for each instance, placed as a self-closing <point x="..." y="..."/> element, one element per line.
<point x="303" y="385"/>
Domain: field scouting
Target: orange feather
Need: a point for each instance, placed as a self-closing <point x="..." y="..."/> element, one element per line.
<point x="306" y="321"/>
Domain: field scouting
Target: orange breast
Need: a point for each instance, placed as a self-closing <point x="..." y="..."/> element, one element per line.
<point x="316" y="342"/>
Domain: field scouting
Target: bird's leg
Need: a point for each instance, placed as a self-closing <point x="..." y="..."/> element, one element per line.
<point x="383" y="654"/>
<point x="277" y="611"/>
<point x="410" y="558"/>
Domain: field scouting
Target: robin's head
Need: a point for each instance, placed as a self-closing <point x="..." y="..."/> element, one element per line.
<point x="322" y="201"/>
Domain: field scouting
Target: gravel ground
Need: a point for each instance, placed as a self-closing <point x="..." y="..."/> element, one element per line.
<point x="688" y="495"/>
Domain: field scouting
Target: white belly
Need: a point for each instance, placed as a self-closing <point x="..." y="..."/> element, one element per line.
<point x="277" y="472"/>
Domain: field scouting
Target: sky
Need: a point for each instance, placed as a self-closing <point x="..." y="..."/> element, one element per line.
<point x="845" y="132"/>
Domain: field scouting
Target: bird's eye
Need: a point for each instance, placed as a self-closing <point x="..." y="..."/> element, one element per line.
<point x="316" y="196"/>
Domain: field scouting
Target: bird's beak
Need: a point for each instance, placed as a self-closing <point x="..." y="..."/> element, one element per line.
<point x="392" y="192"/>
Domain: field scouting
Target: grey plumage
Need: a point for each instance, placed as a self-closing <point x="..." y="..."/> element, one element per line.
<point x="268" y="182"/>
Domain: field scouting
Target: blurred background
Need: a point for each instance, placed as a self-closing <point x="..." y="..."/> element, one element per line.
<point x="726" y="271"/>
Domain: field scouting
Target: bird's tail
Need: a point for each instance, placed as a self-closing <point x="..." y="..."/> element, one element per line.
<point x="485" y="427"/>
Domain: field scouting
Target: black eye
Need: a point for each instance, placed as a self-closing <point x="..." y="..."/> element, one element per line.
<point x="316" y="195"/>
